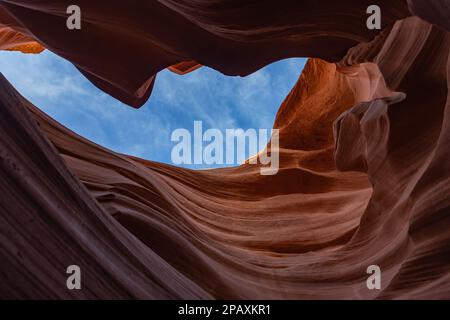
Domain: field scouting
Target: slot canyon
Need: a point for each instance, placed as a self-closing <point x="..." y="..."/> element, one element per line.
<point x="364" y="160"/>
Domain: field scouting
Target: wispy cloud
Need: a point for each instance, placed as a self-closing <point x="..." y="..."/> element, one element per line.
<point x="222" y="102"/>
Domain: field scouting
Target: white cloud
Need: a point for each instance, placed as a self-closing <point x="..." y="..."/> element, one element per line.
<point x="222" y="102"/>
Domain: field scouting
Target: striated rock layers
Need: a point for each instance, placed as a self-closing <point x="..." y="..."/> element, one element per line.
<point x="364" y="165"/>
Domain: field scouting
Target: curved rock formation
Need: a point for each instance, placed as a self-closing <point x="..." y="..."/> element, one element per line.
<point x="364" y="162"/>
<point x="13" y="39"/>
<point x="134" y="42"/>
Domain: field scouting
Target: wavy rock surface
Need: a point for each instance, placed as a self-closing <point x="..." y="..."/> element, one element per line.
<point x="13" y="38"/>
<point x="134" y="42"/>
<point x="364" y="163"/>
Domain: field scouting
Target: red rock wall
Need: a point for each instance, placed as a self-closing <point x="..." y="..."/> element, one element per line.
<point x="364" y="166"/>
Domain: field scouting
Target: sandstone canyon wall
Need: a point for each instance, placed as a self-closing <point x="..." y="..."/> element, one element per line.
<point x="364" y="161"/>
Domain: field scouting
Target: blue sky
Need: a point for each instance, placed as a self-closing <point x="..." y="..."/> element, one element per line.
<point x="56" y="87"/>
